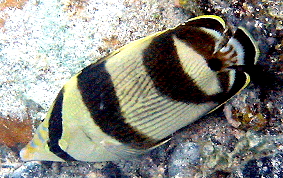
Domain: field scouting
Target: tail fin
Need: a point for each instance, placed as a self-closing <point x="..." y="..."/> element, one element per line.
<point x="37" y="148"/>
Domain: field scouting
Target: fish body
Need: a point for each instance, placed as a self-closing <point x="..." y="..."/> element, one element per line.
<point x="132" y="100"/>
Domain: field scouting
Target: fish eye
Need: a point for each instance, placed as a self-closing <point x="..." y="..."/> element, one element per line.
<point x="215" y="64"/>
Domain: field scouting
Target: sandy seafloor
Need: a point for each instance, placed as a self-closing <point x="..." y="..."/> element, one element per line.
<point x="44" y="42"/>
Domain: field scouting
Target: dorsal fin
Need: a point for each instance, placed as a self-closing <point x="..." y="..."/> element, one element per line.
<point x="208" y="21"/>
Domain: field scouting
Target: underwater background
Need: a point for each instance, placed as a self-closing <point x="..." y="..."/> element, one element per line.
<point x="44" y="42"/>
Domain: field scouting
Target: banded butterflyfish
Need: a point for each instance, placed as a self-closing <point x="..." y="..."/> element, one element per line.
<point x="132" y="100"/>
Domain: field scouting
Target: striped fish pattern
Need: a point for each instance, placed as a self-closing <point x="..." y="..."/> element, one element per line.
<point x="132" y="100"/>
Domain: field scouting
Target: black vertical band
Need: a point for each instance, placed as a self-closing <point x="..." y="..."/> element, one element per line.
<point x="163" y="65"/>
<point x="100" y="98"/>
<point x="55" y="129"/>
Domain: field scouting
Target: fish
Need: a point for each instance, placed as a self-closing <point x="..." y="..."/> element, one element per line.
<point x="134" y="99"/>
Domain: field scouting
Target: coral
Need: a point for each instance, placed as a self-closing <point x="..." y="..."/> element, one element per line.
<point x="12" y="3"/>
<point x="74" y="7"/>
<point x="14" y="132"/>
<point x="2" y="22"/>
